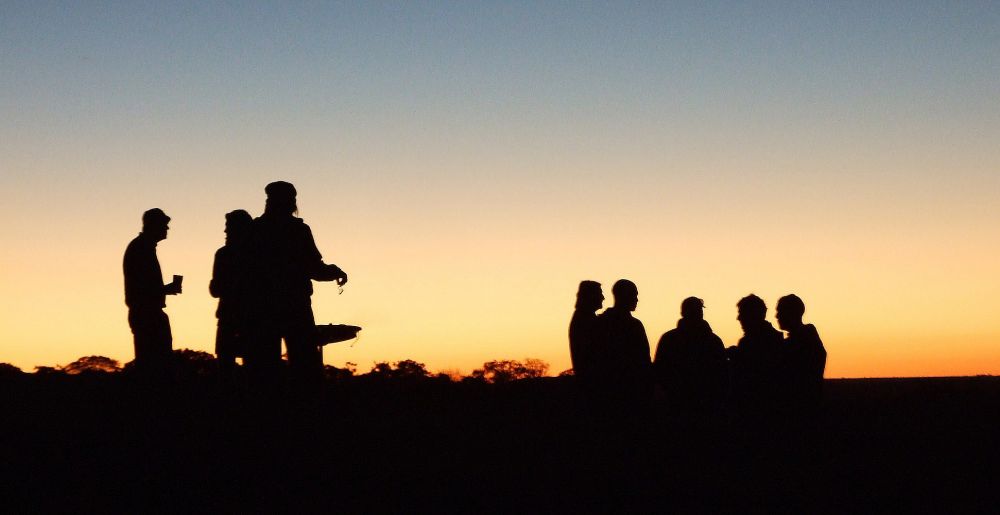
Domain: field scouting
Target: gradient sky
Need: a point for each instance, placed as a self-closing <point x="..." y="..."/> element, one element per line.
<point x="468" y="163"/>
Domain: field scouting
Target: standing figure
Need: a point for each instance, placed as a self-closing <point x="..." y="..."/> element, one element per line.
<point x="589" y="298"/>
<point x="229" y="285"/>
<point x="756" y="360"/>
<point x="145" y="296"/>
<point x="804" y="357"/>
<point x="623" y="349"/>
<point x="284" y="263"/>
<point x="690" y="363"/>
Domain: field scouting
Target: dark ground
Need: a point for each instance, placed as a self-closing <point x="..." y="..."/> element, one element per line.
<point x="100" y="443"/>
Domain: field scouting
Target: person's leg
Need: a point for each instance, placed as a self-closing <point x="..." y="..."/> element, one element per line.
<point x="141" y="338"/>
<point x="304" y="359"/>
<point x="225" y="350"/>
<point x="162" y="341"/>
<point x="153" y="341"/>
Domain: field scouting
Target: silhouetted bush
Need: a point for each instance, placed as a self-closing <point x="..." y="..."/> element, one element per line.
<point x="92" y="365"/>
<point x="44" y="371"/>
<point x="406" y="369"/>
<point x="194" y="363"/>
<point x="7" y="371"/>
<point x="335" y="374"/>
<point x="507" y="370"/>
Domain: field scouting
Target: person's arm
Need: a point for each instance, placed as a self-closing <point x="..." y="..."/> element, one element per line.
<point x="172" y="289"/>
<point x="143" y="278"/>
<point x="318" y="270"/>
<point x="215" y="286"/>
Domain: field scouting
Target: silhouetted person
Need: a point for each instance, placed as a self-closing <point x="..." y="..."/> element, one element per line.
<point x="804" y="357"/>
<point x="756" y="360"/>
<point x="589" y="298"/>
<point x="230" y="279"/>
<point x="623" y="348"/>
<point x="145" y="296"/>
<point x="285" y="262"/>
<point x="690" y="363"/>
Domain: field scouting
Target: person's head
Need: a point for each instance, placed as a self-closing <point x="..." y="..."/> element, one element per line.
<point x="237" y="225"/>
<point x="626" y="294"/>
<point x="589" y="296"/>
<point x="280" y="198"/>
<point x="789" y="312"/>
<point x="155" y="223"/>
<point x="693" y="308"/>
<point x="752" y="311"/>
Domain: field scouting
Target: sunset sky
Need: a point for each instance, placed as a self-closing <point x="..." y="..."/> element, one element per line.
<point x="468" y="163"/>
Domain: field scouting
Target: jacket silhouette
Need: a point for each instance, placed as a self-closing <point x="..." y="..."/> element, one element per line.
<point x="757" y="360"/>
<point x="690" y="362"/>
<point x="229" y="284"/>
<point x="804" y="356"/>
<point x="284" y="263"/>
<point x="582" y="330"/>
<point x="622" y="349"/>
<point x="145" y="296"/>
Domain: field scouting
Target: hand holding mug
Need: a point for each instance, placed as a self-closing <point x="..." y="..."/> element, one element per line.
<point x="174" y="288"/>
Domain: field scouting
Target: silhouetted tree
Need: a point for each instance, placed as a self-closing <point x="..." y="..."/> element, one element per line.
<point x="503" y="371"/>
<point x="332" y="373"/>
<point x="410" y="368"/>
<point x="91" y="365"/>
<point x="194" y="363"/>
<point x="7" y="370"/>
<point x="406" y="369"/>
<point x="48" y="371"/>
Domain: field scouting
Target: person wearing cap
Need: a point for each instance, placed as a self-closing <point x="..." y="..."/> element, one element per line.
<point x="145" y="296"/>
<point x="229" y="284"/>
<point x="690" y="362"/>
<point x="285" y="261"/>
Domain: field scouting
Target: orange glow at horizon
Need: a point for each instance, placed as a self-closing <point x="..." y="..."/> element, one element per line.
<point x="468" y="167"/>
<point x="457" y="297"/>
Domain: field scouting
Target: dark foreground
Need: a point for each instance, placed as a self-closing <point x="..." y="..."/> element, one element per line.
<point x="99" y="443"/>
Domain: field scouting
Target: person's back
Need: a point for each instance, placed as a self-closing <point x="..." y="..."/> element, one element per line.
<point x="690" y="362"/>
<point x="285" y="255"/>
<point x="229" y="283"/>
<point x="757" y="360"/>
<point x="623" y="348"/>
<point x="145" y="296"/>
<point x="284" y="262"/>
<point x="143" y="277"/>
<point x="582" y="328"/>
<point x="804" y="356"/>
<point x="806" y="362"/>
<point x="625" y="352"/>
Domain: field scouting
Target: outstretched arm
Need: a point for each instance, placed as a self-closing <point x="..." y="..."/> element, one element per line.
<point x="330" y="272"/>
<point x="320" y="271"/>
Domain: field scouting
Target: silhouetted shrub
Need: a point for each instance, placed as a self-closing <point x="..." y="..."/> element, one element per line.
<point x="406" y="369"/>
<point x="333" y="373"/>
<point x="8" y="371"/>
<point x="194" y="363"/>
<point x="507" y="370"/>
<point x="48" y="371"/>
<point x="92" y="365"/>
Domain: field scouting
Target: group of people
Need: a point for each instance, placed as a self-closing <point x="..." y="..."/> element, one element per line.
<point x="262" y="277"/>
<point x="764" y="374"/>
